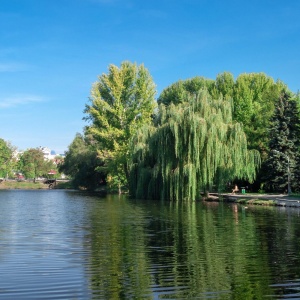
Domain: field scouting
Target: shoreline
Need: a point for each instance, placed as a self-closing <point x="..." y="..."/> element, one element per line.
<point x="257" y="199"/>
<point x="244" y="199"/>
<point x="30" y="185"/>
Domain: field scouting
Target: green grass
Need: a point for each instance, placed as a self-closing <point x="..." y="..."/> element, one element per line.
<point x="295" y="195"/>
<point x="22" y="185"/>
<point x="64" y="185"/>
<point x="29" y="185"/>
<point x="256" y="202"/>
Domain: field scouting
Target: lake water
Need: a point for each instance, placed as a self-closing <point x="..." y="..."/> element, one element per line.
<point x="71" y="245"/>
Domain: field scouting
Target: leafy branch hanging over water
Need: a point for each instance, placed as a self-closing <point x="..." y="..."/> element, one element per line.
<point x="195" y="146"/>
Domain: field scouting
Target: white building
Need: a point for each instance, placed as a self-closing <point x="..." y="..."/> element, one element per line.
<point x="47" y="153"/>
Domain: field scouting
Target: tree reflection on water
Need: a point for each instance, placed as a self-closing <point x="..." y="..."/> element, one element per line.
<point x="148" y="249"/>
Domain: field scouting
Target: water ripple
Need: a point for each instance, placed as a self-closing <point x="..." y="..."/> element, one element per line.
<point x="69" y="245"/>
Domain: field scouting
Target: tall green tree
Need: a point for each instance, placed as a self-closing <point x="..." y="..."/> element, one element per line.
<point x="175" y="93"/>
<point x="253" y="95"/>
<point x="196" y="145"/>
<point x="254" y="98"/>
<point x="224" y="85"/>
<point x="282" y="164"/>
<point x="6" y="154"/>
<point x="82" y="163"/>
<point x="32" y="164"/>
<point x="121" y="102"/>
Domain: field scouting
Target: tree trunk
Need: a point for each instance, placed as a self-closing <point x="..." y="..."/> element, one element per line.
<point x="126" y="172"/>
<point x="120" y="191"/>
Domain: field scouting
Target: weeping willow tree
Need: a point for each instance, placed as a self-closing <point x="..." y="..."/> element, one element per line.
<point x="194" y="146"/>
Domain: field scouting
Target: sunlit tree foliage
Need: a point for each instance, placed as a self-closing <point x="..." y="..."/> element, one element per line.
<point x="32" y="164"/>
<point x="121" y="102"/>
<point x="195" y="146"/>
<point x="253" y="96"/>
<point x="6" y="155"/>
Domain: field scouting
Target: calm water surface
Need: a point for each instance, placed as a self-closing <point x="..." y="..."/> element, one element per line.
<point x="71" y="245"/>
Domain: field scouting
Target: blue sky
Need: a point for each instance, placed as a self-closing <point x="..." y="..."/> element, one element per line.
<point x="51" y="52"/>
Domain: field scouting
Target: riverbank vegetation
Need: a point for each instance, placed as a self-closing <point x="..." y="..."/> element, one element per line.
<point x="194" y="145"/>
<point x="30" y="164"/>
<point x="200" y="135"/>
<point x="203" y="135"/>
<point x="38" y="185"/>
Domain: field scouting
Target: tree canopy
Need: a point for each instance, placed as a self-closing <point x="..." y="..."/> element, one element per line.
<point x="121" y="101"/>
<point x="203" y="133"/>
<point x="283" y="162"/>
<point x="196" y="145"/>
<point x="253" y="97"/>
<point x="82" y="164"/>
<point x="176" y="92"/>
<point x="5" y="157"/>
<point x="32" y="164"/>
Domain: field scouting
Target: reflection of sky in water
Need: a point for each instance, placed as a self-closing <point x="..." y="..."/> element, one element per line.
<point x="38" y="256"/>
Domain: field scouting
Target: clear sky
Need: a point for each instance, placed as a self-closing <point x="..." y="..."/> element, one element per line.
<point x="51" y="51"/>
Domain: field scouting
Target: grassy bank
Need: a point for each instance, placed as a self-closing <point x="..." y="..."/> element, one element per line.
<point x="22" y="185"/>
<point x="256" y="202"/>
<point x="29" y="185"/>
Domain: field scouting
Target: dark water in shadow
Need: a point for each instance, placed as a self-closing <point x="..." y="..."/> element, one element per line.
<point x="71" y="245"/>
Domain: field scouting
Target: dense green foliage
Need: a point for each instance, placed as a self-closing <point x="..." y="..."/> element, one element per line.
<point x="6" y="154"/>
<point x="121" y="101"/>
<point x="204" y="134"/>
<point x="32" y="164"/>
<point x="254" y="100"/>
<point x="283" y="162"/>
<point x="176" y="92"/>
<point x="82" y="164"/>
<point x="253" y="96"/>
<point x="195" y="145"/>
<point x="179" y="154"/>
